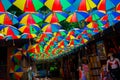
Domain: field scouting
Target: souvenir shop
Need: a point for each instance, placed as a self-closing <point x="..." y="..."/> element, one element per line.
<point x="93" y="55"/>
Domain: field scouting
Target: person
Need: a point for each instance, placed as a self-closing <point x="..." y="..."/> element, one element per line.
<point x="30" y="73"/>
<point x="113" y="66"/>
<point x="82" y="75"/>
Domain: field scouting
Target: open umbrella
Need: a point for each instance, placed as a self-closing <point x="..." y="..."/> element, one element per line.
<point x="30" y="18"/>
<point x="118" y="8"/>
<point x="12" y="37"/>
<point x="94" y="16"/>
<point x="61" y="32"/>
<point x="29" y="5"/>
<point x="5" y="5"/>
<point x="63" y="43"/>
<point x="8" y="18"/>
<point x="74" y="42"/>
<point x="58" y="5"/>
<point x="9" y="30"/>
<point x="1" y="36"/>
<point x="51" y="27"/>
<point x="57" y="16"/>
<point x="27" y="36"/>
<point x="45" y="36"/>
<point x="29" y="28"/>
<point x="85" y="5"/>
<point x="105" y="5"/>
<point x="77" y="16"/>
<point x="15" y="75"/>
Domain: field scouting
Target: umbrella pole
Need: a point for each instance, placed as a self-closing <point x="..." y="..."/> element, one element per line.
<point x="13" y="42"/>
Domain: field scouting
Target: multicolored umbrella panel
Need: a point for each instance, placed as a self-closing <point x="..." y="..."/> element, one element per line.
<point x="58" y="5"/>
<point x="8" y="18"/>
<point x="51" y="27"/>
<point x="1" y="36"/>
<point x="30" y="28"/>
<point x="85" y="5"/>
<point x="16" y="72"/>
<point x="30" y="18"/>
<point x="9" y="30"/>
<point x="77" y="16"/>
<point x="29" y="5"/>
<point x="106" y="5"/>
<point x="5" y="5"/>
<point x="55" y="17"/>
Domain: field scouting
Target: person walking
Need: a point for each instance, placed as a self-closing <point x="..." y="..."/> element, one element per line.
<point x="113" y="66"/>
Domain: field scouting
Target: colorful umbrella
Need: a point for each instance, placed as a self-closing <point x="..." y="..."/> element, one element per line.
<point x="58" y="5"/>
<point x="15" y="75"/>
<point x="61" y="32"/>
<point x="74" y="42"/>
<point x="9" y="30"/>
<point x="30" y="18"/>
<point x="45" y="36"/>
<point x="77" y="16"/>
<point x="94" y="16"/>
<point x="118" y="8"/>
<point x="63" y="43"/>
<point x="5" y="5"/>
<point x="51" y="27"/>
<point x="29" y="5"/>
<point x="30" y="28"/>
<point x="105" y="5"/>
<point x="1" y="36"/>
<point x="57" y="16"/>
<point x="8" y="18"/>
<point x="85" y="5"/>
<point x="11" y="37"/>
<point x="28" y="36"/>
<point x="92" y="25"/>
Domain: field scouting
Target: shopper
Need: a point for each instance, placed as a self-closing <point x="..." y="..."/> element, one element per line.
<point x="113" y="66"/>
<point x="82" y="75"/>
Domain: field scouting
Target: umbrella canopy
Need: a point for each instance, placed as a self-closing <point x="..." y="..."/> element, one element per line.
<point x="85" y="5"/>
<point x="5" y="5"/>
<point x="74" y="42"/>
<point x="77" y="16"/>
<point x="15" y="75"/>
<point x="57" y="16"/>
<point x="12" y="37"/>
<point x="9" y="30"/>
<point x="27" y="36"/>
<point x="58" y="5"/>
<point x="61" y="32"/>
<point x="8" y="18"/>
<point x="94" y="16"/>
<point x="30" y="18"/>
<point x="29" y="5"/>
<point x="51" y="27"/>
<point x="118" y="8"/>
<point x="105" y="5"/>
<point x="30" y="28"/>
<point x="1" y="36"/>
<point x="45" y="36"/>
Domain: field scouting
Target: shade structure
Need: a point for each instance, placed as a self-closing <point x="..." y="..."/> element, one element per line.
<point x="61" y="32"/>
<point x="62" y="44"/>
<point x="58" y="5"/>
<point x="8" y="18"/>
<point x="85" y="5"/>
<point x="5" y="5"/>
<point x="30" y="18"/>
<point x="9" y="30"/>
<point x="77" y="16"/>
<point x="54" y="17"/>
<point x="29" y="28"/>
<point x="51" y="27"/>
<point x="29" y="5"/>
<point x="105" y="5"/>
